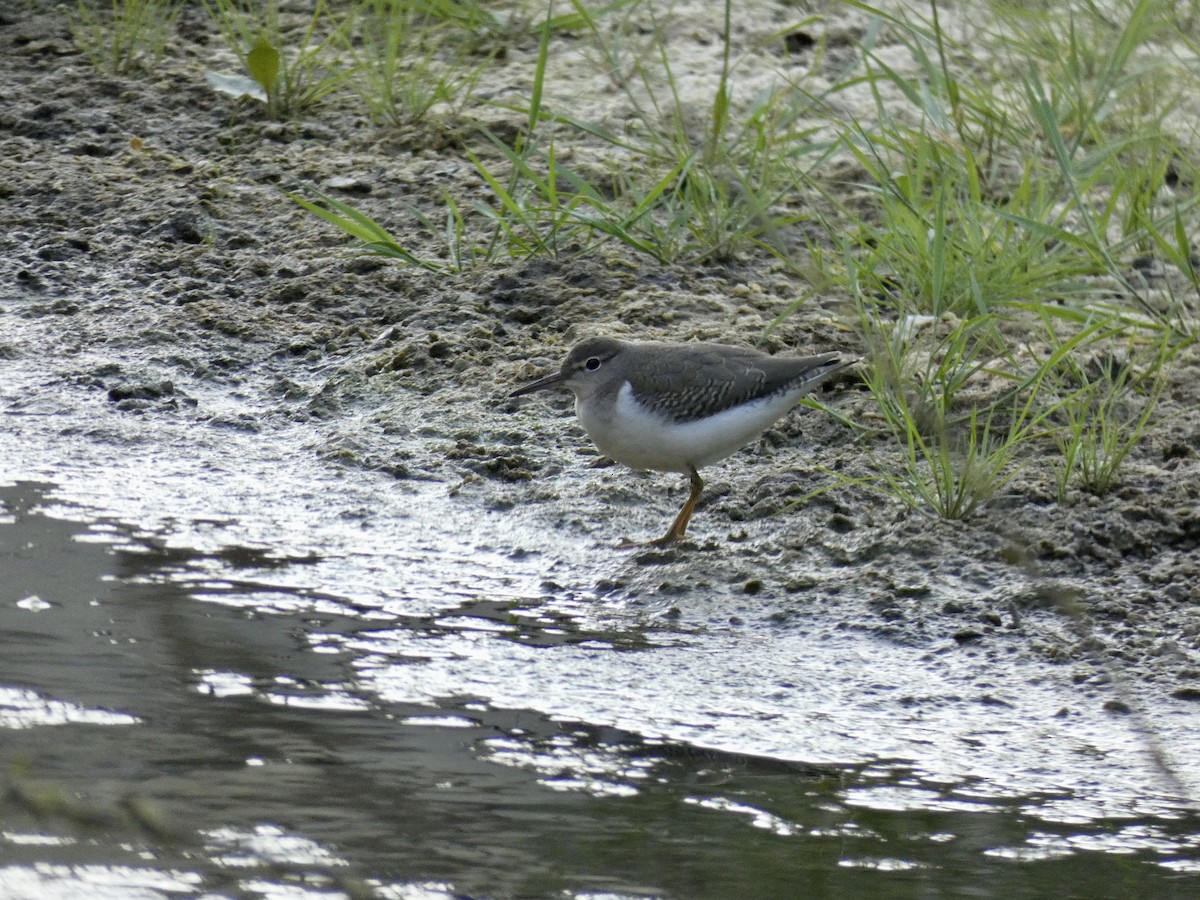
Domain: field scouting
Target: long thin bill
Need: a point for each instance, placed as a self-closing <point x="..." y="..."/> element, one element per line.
<point x="548" y="381"/>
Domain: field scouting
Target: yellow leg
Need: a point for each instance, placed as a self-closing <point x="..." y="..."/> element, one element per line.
<point x="679" y="526"/>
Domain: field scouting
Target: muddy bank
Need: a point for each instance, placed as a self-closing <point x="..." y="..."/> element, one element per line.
<point x="143" y="225"/>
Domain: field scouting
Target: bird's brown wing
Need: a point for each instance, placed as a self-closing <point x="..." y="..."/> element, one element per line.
<point x="698" y="380"/>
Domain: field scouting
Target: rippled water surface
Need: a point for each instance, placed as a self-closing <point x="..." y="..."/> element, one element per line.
<point x="230" y="669"/>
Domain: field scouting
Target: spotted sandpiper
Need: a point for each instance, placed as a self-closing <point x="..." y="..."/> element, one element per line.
<point x="680" y="407"/>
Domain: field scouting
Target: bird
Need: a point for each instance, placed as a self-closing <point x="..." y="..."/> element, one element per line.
<point x="678" y="407"/>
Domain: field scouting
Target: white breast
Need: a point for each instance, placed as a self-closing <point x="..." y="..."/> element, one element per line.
<point x="640" y="438"/>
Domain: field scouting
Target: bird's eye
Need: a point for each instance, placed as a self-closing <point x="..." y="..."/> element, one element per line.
<point x="592" y="364"/>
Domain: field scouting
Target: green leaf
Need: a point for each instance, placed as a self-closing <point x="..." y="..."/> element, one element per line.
<point x="358" y="225"/>
<point x="263" y="64"/>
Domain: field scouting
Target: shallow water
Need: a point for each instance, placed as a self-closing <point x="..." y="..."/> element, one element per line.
<point x="230" y="669"/>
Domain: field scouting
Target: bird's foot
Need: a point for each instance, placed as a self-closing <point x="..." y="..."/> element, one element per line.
<point x="670" y="539"/>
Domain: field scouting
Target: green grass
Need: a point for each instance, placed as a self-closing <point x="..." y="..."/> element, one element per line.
<point x="1106" y="405"/>
<point x="407" y="60"/>
<point x="714" y="180"/>
<point x="124" y="36"/>
<point x="957" y="414"/>
<point x="996" y="254"/>
<point x="289" y="70"/>
<point x="673" y="188"/>
<point x="375" y="239"/>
